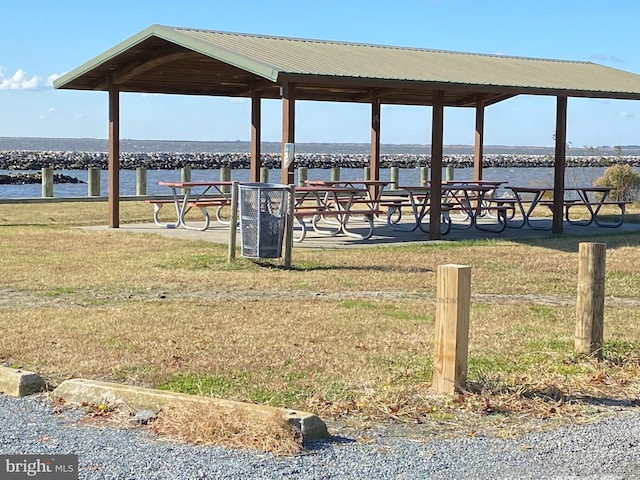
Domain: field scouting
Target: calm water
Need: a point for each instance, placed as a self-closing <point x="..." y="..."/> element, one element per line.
<point x="410" y="176"/>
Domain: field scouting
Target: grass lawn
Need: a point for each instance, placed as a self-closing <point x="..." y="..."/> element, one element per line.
<point x="346" y="334"/>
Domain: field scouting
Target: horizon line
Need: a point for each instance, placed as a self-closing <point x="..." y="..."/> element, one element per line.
<point x="310" y="143"/>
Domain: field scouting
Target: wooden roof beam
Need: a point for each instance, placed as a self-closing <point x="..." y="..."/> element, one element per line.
<point x="488" y="99"/>
<point x="471" y="100"/>
<point x="140" y="67"/>
<point x="371" y="94"/>
<point x="258" y="88"/>
<point x="498" y="98"/>
<point x="216" y="92"/>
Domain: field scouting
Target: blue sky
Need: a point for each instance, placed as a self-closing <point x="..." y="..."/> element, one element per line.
<point x="42" y="39"/>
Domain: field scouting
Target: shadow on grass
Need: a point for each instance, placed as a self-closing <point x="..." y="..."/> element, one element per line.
<point x="308" y="267"/>
<point x="551" y="394"/>
<point x="569" y="242"/>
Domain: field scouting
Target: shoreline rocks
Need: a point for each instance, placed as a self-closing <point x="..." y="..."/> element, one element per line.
<point x="33" y="178"/>
<point x="67" y="160"/>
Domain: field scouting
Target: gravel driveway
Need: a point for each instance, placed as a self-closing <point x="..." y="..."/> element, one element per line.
<point x="609" y="449"/>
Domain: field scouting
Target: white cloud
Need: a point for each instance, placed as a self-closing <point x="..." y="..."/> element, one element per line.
<point x="18" y="81"/>
<point x="626" y="114"/>
<point x="238" y="100"/>
<point x="21" y="81"/>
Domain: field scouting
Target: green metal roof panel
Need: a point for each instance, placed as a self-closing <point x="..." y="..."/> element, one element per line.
<point x="270" y="57"/>
<point x="352" y="60"/>
<point x="219" y="50"/>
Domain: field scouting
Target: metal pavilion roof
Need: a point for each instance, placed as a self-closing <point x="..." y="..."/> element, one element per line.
<point x="162" y="59"/>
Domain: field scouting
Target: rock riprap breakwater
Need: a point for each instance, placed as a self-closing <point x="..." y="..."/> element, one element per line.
<point x="32" y="178"/>
<point x="35" y="160"/>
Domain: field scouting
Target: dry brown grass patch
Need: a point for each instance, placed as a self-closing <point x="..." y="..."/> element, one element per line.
<point x="346" y="334"/>
<point x="199" y="424"/>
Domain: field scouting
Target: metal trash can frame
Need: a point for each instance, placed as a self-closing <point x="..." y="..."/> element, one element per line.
<point x="263" y="212"/>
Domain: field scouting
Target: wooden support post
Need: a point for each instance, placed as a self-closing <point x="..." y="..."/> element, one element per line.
<point x="435" y="189"/>
<point x="374" y="163"/>
<point x="47" y="181"/>
<point x="303" y="173"/>
<point x="559" y="165"/>
<point x="393" y="178"/>
<point x="590" y="300"/>
<point x="335" y="174"/>
<point x="141" y="181"/>
<point x="288" y="93"/>
<point x="451" y="341"/>
<point x="255" y="166"/>
<point x="113" y="172"/>
<point x="231" y="253"/>
<point x="478" y="145"/>
<point x="93" y="182"/>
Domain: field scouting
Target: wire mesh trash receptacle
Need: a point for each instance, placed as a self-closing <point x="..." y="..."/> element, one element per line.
<point x="263" y="211"/>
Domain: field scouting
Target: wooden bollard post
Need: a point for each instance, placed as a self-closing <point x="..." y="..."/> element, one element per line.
<point x="141" y="181"/>
<point x="393" y="176"/>
<point x="264" y="174"/>
<point x="303" y="173"/>
<point x="590" y="300"/>
<point x="448" y="174"/>
<point x="185" y="176"/>
<point x="225" y="176"/>
<point x="424" y="175"/>
<point x="335" y="174"/>
<point x="47" y="181"/>
<point x="451" y="341"/>
<point x="93" y="184"/>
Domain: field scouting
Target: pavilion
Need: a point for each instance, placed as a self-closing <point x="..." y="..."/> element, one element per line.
<point x="162" y="59"/>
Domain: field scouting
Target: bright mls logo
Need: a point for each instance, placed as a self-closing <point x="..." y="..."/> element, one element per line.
<point x="52" y="467"/>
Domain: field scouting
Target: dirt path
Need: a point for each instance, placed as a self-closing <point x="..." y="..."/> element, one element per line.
<point x="19" y="299"/>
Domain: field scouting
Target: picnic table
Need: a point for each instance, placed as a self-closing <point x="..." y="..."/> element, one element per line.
<point x="592" y="198"/>
<point x="187" y="195"/>
<point x="467" y="201"/>
<point x="333" y="209"/>
<point x="374" y="189"/>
